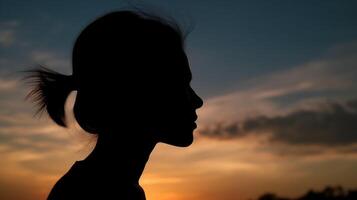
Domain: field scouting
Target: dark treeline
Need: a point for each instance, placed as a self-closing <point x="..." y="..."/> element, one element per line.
<point x="329" y="193"/>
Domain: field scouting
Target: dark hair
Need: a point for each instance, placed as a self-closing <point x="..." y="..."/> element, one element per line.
<point x="116" y="39"/>
<point x="50" y="91"/>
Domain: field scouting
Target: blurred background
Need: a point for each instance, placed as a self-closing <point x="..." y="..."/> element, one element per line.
<point x="278" y="79"/>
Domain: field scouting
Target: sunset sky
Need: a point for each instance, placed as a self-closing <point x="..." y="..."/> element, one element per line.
<point x="278" y="80"/>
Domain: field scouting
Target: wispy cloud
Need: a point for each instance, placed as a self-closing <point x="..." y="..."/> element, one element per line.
<point x="8" y="32"/>
<point x="7" y="37"/>
<point x="50" y="59"/>
<point x="21" y="131"/>
<point x="304" y="116"/>
<point x="335" y="125"/>
<point x="7" y="84"/>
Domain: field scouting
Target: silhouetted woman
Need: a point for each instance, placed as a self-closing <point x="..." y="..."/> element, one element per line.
<point x="132" y="79"/>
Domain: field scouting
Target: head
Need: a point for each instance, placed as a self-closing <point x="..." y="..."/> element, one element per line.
<point x="132" y="79"/>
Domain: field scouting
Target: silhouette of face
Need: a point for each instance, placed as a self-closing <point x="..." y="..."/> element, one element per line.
<point x="161" y="106"/>
<point x="133" y="80"/>
<point x="178" y="104"/>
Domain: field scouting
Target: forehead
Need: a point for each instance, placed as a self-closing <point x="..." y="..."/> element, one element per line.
<point x="176" y="66"/>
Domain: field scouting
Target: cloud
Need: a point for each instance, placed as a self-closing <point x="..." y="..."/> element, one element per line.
<point x="313" y="104"/>
<point x="335" y="125"/>
<point x="27" y="143"/>
<point x="7" y="84"/>
<point x="20" y="132"/>
<point x="8" y="32"/>
<point x="284" y="91"/>
<point x="50" y="59"/>
<point x="7" y="37"/>
<point x="23" y="131"/>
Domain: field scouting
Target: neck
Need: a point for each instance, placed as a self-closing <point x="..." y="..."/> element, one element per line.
<point x="124" y="158"/>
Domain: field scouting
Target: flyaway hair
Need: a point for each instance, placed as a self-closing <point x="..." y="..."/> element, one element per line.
<point x="49" y="92"/>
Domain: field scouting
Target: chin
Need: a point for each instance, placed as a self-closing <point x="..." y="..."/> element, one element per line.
<point x="183" y="144"/>
<point x="180" y="141"/>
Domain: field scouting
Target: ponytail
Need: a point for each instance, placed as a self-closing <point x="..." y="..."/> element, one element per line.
<point x="49" y="92"/>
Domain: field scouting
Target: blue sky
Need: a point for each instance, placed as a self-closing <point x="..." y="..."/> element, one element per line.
<point x="277" y="78"/>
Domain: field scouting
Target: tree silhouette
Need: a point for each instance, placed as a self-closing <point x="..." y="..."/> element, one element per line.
<point x="328" y="193"/>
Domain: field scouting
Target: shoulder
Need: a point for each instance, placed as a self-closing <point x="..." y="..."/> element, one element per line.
<point x="57" y="192"/>
<point x="81" y="182"/>
<point x="70" y="184"/>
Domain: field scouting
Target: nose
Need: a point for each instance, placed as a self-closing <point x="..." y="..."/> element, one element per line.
<point x="197" y="101"/>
